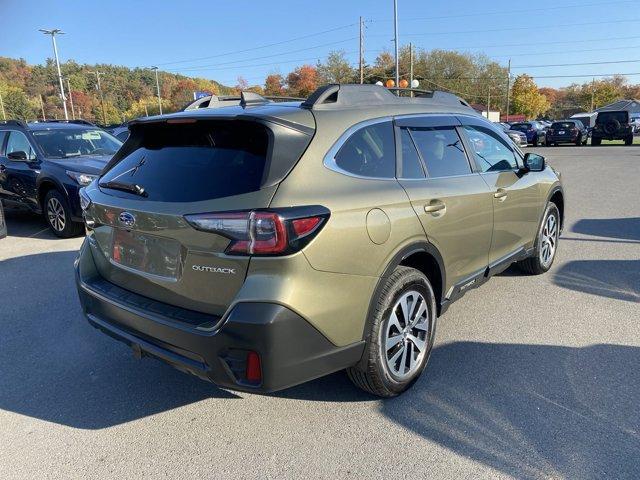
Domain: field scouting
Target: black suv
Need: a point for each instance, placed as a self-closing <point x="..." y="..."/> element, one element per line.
<point x="567" y="131"/>
<point x="44" y="164"/>
<point x="612" y="125"/>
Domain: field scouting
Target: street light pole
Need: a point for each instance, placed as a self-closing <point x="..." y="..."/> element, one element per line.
<point x="73" y="111"/>
<point x="97" y="74"/>
<point x="395" y="40"/>
<point x="361" y="51"/>
<point x="53" y="33"/>
<point x="158" y="88"/>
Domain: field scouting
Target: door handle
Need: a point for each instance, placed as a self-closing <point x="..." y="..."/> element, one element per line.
<point x="501" y="193"/>
<point x="434" y="207"/>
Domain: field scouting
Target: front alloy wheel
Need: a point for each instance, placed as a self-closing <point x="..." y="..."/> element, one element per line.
<point x="546" y="245"/>
<point x="56" y="215"/>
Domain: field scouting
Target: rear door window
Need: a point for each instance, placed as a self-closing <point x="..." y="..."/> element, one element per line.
<point x="192" y="162"/>
<point x="411" y="163"/>
<point x="369" y="152"/>
<point x="442" y="151"/>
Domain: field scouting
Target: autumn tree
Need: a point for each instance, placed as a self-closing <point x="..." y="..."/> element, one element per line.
<point x="274" y="85"/>
<point x="527" y="99"/>
<point x="335" y="69"/>
<point x="302" y="81"/>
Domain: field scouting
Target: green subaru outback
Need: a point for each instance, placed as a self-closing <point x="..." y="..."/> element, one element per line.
<point x="259" y="245"/>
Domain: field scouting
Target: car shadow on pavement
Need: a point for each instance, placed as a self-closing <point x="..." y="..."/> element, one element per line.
<point x="55" y="367"/>
<point x="619" y="228"/>
<point x="25" y="224"/>
<point x="617" y="279"/>
<point x="530" y="411"/>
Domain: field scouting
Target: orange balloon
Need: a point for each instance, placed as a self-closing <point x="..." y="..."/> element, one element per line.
<point x="403" y="83"/>
<point x="390" y="83"/>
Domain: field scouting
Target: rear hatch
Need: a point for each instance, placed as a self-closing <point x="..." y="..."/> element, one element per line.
<point x="180" y="166"/>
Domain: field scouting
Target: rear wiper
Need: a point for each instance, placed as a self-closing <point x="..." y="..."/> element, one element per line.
<point x="125" y="187"/>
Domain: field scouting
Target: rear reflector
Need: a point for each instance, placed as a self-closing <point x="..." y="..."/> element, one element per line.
<point x="253" y="372"/>
<point x="274" y="232"/>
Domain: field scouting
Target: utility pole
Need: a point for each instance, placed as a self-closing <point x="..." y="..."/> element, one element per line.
<point x="158" y="88"/>
<point x="53" y="33"/>
<point x="99" y="86"/>
<point x="73" y="111"/>
<point x="488" y="102"/>
<point x="508" y="87"/>
<point x="44" y="117"/>
<point x="593" y="82"/>
<point x="146" y="112"/>
<point x="361" y="51"/>
<point x="4" y="115"/>
<point x="411" y="67"/>
<point x="395" y="40"/>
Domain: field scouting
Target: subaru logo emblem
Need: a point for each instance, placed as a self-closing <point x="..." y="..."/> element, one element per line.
<point x="127" y="219"/>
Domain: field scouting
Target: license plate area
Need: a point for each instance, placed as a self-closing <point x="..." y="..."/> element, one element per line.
<point x="561" y="132"/>
<point x="148" y="254"/>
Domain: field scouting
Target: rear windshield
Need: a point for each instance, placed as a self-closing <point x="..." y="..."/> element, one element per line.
<point x="561" y="125"/>
<point x="521" y="126"/>
<point x="604" y="117"/>
<point x="193" y="161"/>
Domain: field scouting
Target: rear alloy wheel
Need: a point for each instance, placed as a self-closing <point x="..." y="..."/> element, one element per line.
<point x="546" y="244"/>
<point x="58" y="215"/>
<point x="401" y="335"/>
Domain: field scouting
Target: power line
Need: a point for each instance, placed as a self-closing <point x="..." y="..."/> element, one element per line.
<point x="261" y="46"/>
<point x="576" y="64"/>
<point x="200" y="67"/>
<point x="631" y="47"/>
<point x="538" y="27"/>
<point x="505" y="12"/>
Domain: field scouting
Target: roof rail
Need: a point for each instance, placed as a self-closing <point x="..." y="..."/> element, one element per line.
<point x="19" y="123"/>
<point x="354" y="95"/>
<point x="78" y="121"/>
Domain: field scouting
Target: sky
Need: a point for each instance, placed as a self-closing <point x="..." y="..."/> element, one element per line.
<point x="222" y="40"/>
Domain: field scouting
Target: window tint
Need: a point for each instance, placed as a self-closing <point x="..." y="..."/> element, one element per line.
<point x="73" y="142"/>
<point x="369" y="152"/>
<point x="442" y="151"/>
<point x="192" y="162"/>
<point x="3" y="135"/>
<point x="122" y="136"/>
<point x="561" y="125"/>
<point x="18" y="143"/>
<point x="411" y="164"/>
<point x="492" y="153"/>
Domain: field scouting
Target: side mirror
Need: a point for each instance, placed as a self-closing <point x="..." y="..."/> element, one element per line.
<point x="534" y="162"/>
<point x="18" y="156"/>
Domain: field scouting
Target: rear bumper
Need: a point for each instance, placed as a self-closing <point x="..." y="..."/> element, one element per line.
<point x="561" y="138"/>
<point x="291" y="350"/>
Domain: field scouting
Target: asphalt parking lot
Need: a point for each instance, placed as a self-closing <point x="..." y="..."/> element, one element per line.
<point x="531" y="377"/>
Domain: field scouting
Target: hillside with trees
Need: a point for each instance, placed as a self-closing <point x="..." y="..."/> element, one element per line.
<point x="29" y="91"/>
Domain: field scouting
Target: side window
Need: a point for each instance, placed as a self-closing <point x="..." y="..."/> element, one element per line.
<point x="369" y="152"/>
<point x="492" y="153"/>
<point x="411" y="164"/>
<point x="441" y="150"/>
<point x="18" y="143"/>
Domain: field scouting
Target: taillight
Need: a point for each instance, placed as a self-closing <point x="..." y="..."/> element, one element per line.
<point x="263" y="232"/>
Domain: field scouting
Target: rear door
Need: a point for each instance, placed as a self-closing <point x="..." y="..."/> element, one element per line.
<point x="141" y="240"/>
<point x="452" y="201"/>
<point x="515" y="196"/>
<point x="18" y="177"/>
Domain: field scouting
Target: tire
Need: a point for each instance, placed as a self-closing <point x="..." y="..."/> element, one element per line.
<point x="629" y="140"/>
<point x="58" y="215"/>
<point x="595" y="142"/>
<point x="579" y="141"/>
<point x="382" y="371"/>
<point x="535" y="141"/>
<point x="535" y="265"/>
